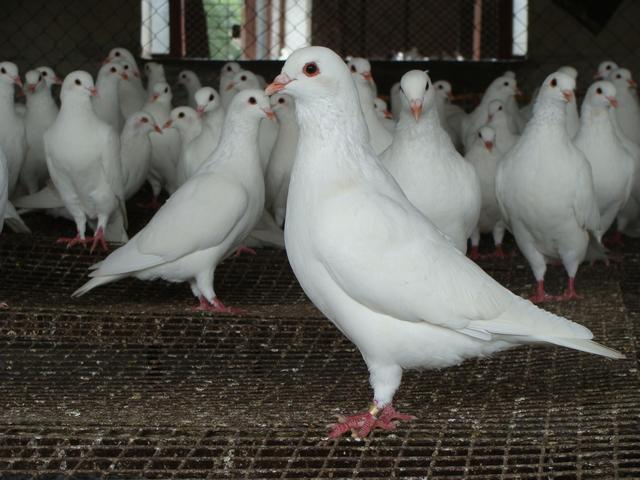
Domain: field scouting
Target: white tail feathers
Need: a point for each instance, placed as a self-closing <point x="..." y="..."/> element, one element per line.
<point x="96" y="282"/>
<point x="584" y="345"/>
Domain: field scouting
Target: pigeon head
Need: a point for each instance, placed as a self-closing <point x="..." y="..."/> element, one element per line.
<point x="207" y="100"/>
<point x="417" y="92"/>
<point x="187" y="77"/>
<point x="509" y="74"/>
<point x="182" y="118"/>
<point x="32" y="80"/>
<point x="243" y="80"/>
<point x="128" y="70"/>
<point x="9" y="73"/>
<point x="569" y="70"/>
<point x="161" y="92"/>
<point x="381" y="108"/>
<point x="496" y="109"/>
<point x="601" y="94"/>
<point x="112" y="71"/>
<point x="605" y="68"/>
<point x="360" y="66"/>
<point x="78" y="84"/>
<point x="311" y="73"/>
<point x="282" y="105"/>
<point x="229" y="69"/>
<point x="443" y="88"/>
<point x="487" y="136"/>
<point x="252" y="103"/>
<point x="49" y="76"/>
<point x="503" y="88"/>
<point x="622" y="79"/>
<point x="153" y="68"/>
<point x="558" y="87"/>
<point x="143" y="123"/>
<point x="119" y="54"/>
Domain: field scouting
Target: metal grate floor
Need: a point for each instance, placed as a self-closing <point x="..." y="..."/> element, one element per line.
<point x="129" y="382"/>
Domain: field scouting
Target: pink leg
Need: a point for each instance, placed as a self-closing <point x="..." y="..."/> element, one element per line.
<point x="215" y="306"/>
<point x="615" y="240"/>
<point x="474" y="253"/>
<point x="152" y="204"/>
<point x="361" y="424"/>
<point x="98" y="239"/>
<point x="540" y="295"/>
<point x="498" y="253"/>
<point x="72" y="241"/>
<point x="242" y="249"/>
<point x="570" y="292"/>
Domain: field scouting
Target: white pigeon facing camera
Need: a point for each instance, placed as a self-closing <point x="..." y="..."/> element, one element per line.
<point x="83" y="157"/>
<point x="213" y="212"/>
<point x="12" y="130"/>
<point x="375" y="266"/>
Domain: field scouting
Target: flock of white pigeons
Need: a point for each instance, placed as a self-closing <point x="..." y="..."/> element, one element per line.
<point x="376" y="210"/>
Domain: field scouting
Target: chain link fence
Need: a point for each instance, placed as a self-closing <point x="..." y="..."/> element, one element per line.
<point x="532" y="37"/>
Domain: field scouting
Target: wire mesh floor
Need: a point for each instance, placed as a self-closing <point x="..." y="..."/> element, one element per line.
<point x="129" y="382"/>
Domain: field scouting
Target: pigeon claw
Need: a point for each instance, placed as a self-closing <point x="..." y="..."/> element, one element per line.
<point x="242" y="249"/>
<point x="540" y="295"/>
<point x="216" y="306"/>
<point x="72" y="241"/>
<point x="362" y="424"/>
<point x="498" y="253"/>
<point x="98" y="239"/>
<point x="569" y="293"/>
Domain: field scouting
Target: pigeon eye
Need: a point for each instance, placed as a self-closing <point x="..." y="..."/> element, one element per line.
<point x="166" y="90"/>
<point x="506" y="84"/>
<point x="144" y="120"/>
<point x="78" y="82"/>
<point x="184" y="77"/>
<point x="281" y="100"/>
<point x="599" y="91"/>
<point x="117" y="54"/>
<point x="211" y="97"/>
<point x="243" y="78"/>
<point x="440" y="87"/>
<point x="44" y="74"/>
<point x="181" y="115"/>
<point x="500" y="107"/>
<point x="113" y="70"/>
<point x="126" y="67"/>
<point x="353" y="68"/>
<point x="229" y="68"/>
<point x="252" y="101"/>
<point x="617" y="76"/>
<point x="311" y="69"/>
<point x="3" y="70"/>
<point x="553" y="82"/>
<point x="479" y="135"/>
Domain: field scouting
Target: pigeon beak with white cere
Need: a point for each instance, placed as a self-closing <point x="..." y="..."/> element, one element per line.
<point x="124" y="76"/>
<point x="489" y="145"/>
<point x="632" y="83"/>
<point x="157" y="128"/>
<point x="167" y="124"/>
<point x="367" y="76"/>
<point x="416" y="108"/>
<point x="93" y="91"/>
<point x="155" y="97"/>
<point x="568" y="95"/>
<point x="230" y="86"/>
<point x="200" y="111"/>
<point x="387" y="114"/>
<point x="270" y="115"/>
<point x="278" y="84"/>
<point x="613" y="101"/>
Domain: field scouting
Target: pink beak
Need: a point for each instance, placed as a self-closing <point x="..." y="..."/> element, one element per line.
<point x="154" y="97"/>
<point x="632" y="83"/>
<point x="200" y="111"/>
<point x="31" y="87"/>
<point x="597" y="76"/>
<point x="125" y="76"/>
<point x="450" y="96"/>
<point x="270" y="114"/>
<point x="157" y="129"/>
<point x="416" y="108"/>
<point x="278" y="84"/>
<point x="106" y="60"/>
<point x="230" y="86"/>
<point x="518" y="92"/>
<point x="57" y="80"/>
<point x="367" y="76"/>
<point x="613" y="101"/>
<point x="568" y="95"/>
<point x="93" y="91"/>
<point x="167" y="124"/>
<point x="387" y="114"/>
<point x="489" y="145"/>
<point x="17" y="81"/>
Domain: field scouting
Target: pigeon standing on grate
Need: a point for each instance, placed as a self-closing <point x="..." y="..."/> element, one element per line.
<point x="375" y="266"/>
<point x="432" y="174"/>
<point x="497" y="119"/>
<point x="379" y="136"/>
<point x="135" y="151"/>
<point x="107" y="103"/>
<point x="512" y="108"/>
<point x="214" y="211"/>
<point x="196" y="140"/>
<point x="132" y="94"/>
<point x="628" y="111"/>
<point x="13" y="138"/>
<point x="83" y="157"/>
<point x="165" y="147"/>
<point x="42" y="111"/>
<point x="227" y="72"/>
<point x="502" y="88"/>
<point x="282" y="157"/>
<point x="545" y="190"/>
<point x="8" y="214"/>
<point x="485" y="155"/>
<point x="209" y="107"/>
<point x="190" y="81"/>
<point x="612" y="165"/>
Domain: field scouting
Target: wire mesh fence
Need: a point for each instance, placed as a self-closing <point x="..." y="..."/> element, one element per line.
<point x="536" y="37"/>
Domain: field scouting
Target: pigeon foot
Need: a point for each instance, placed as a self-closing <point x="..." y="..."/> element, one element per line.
<point x="242" y="249"/>
<point x="72" y="241"/>
<point x="498" y="253"/>
<point x="540" y="295"/>
<point x="216" y="306"/>
<point x="569" y="293"/>
<point x="474" y="253"/>
<point x="362" y="424"/>
<point x="98" y="239"/>
<point x="152" y="204"/>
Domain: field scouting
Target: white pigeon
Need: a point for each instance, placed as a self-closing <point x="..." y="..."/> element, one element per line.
<point x="209" y="107"/>
<point x="434" y="177"/>
<point x="545" y="189"/>
<point x="190" y="81"/>
<point x="8" y="214"/>
<point x="282" y="157"/>
<point x="379" y="136"/>
<point x="395" y="98"/>
<point x="83" y="157"/>
<point x="13" y="137"/>
<point x="485" y="156"/>
<point x="42" y="111"/>
<point x="363" y="67"/>
<point x="511" y="105"/>
<point x="604" y="69"/>
<point x="628" y="111"/>
<point x="376" y="267"/>
<point x="50" y="77"/>
<point x="135" y="151"/>
<point x="205" y="219"/>
<point x="227" y="72"/>
<point x="573" y="119"/>
<point x="497" y="120"/>
<point x="193" y="153"/>
<point x="443" y="97"/>
<point x="132" y="94"/>
<point x="106" y="103"/>
<point x="384" y="115"/>
<point x="165" y="147"/>
<point x="502" y="88"/>
<point x="155" y="74"/>
<point x="612" y="165"/>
